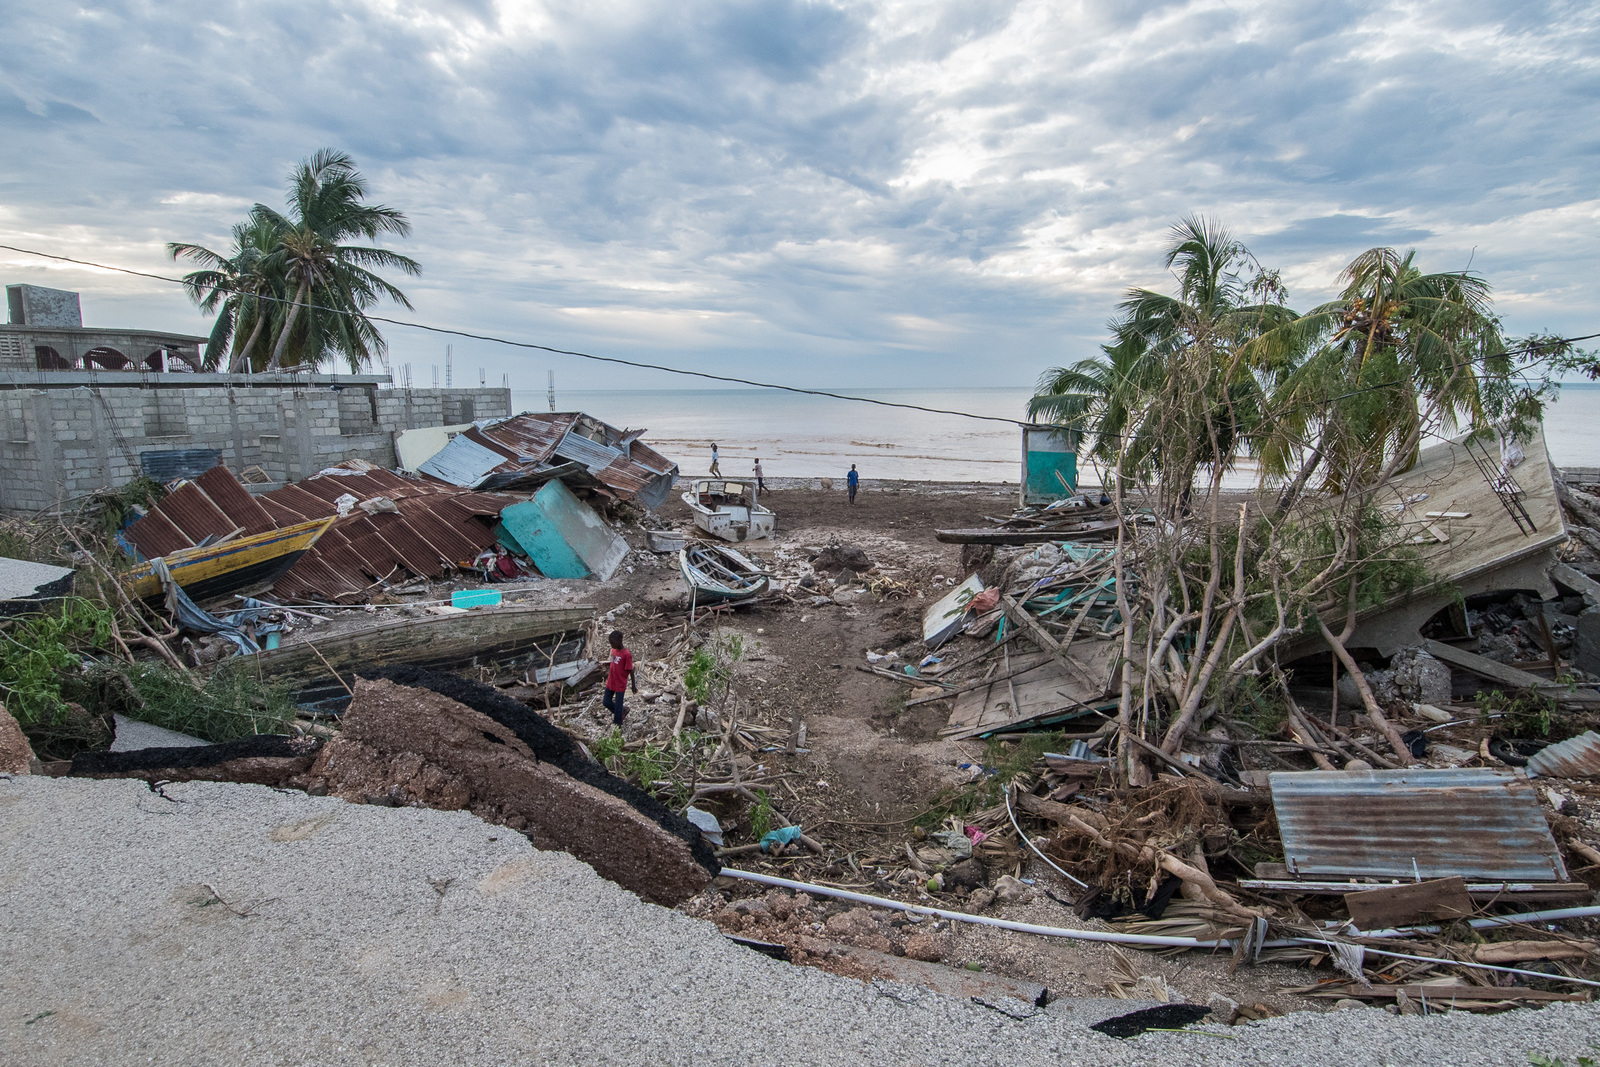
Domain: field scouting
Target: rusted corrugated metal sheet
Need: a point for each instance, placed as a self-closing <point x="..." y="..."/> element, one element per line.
<point x="1576" y="757"/>
<point x="517" y="451"/>
<point x="529" y="438"/>
<point x="190" y="511"/>
<point x="235" y="501"/>
<point x="1482" y="825"/>
<point x="155" y="535"/>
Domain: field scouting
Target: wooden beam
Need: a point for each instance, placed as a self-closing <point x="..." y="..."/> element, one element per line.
<point x="1036" y="633"/>
<point x="1439" y="898"/>
<point x="1499" y="672"/>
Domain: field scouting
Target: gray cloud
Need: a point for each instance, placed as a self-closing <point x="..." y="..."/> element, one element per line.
<point x="935" y="192"/>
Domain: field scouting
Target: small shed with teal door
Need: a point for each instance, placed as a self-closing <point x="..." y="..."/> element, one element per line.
<point x="1049" y="465"/>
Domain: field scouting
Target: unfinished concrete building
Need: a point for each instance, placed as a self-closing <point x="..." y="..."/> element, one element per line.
<point x="85" y="408"/>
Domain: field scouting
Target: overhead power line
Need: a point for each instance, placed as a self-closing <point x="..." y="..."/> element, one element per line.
<point x="449" y="332"/>
<point x="531" y="346"/>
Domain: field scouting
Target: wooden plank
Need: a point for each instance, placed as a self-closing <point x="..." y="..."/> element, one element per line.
<point x="984" y="536"/>
<point x="1036" y="633"/>
<point x="1440" y="898"/>
<point x="1499" y="672"/>
<point x="1523" y="891"/>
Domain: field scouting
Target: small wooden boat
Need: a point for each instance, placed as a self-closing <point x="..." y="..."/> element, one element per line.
<point x="718" y="575"/>
<point x="728" y="510"/>
<point x="208" y="571"/>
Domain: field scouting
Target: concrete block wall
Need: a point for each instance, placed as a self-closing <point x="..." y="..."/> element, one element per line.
<point x="61" y="444"/>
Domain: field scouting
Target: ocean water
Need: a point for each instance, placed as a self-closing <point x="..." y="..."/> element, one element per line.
<point x="799" y="436"/>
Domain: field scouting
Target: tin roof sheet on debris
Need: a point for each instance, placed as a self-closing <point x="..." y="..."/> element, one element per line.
<point x="1483" y="825"/>
<point x="1576" y="757"/>
<point x="434" y="527"/>
<point x="523" y="451"/>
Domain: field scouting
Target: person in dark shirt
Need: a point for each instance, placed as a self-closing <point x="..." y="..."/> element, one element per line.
<point x="853" y="482"/>
<point x="617" y="679"/>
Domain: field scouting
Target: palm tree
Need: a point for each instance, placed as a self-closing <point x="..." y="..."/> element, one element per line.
<point x="239" y="287"/>
<point x="333" y="282"/>
<point x="1396" y="342"/>
<point x="1217" y="308"/>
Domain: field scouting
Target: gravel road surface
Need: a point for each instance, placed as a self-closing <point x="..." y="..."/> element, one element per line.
<point x="234" y="924"/>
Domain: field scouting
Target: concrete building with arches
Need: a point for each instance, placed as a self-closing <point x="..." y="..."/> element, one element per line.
<point x="86" y="408"/>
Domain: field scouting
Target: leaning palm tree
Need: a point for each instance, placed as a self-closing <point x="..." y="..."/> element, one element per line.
<point x="1216" y="309"/>
<point x="241" y="289"/>
<point x="1395" y="344"/>
<point x="333" y="283"/>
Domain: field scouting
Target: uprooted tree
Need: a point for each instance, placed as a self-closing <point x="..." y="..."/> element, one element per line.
<point x="1332" y="404"/>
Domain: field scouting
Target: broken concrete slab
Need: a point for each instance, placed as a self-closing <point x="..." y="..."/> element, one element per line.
<point x="266" y="759"/>
<point x="25" y="586"/>
<point x="416" y="745"/>
<point x="133" y="735"/>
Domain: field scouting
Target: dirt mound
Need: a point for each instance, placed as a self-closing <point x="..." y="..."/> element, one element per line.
<point x="841" y="557"/>
<point x="415" y="746"/>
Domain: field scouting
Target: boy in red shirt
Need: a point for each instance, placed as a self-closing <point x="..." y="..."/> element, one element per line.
<point x="617" y="679"/>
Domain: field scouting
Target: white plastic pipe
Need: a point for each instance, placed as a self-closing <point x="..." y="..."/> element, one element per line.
<point x="980" y="920"/>
<point x="1114" y="938"/>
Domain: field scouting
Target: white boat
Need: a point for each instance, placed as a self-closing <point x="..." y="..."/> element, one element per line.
<point x="716" y="574"/>
<point x="729" y="510"/>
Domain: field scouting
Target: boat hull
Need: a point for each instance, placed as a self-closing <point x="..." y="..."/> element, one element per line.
<point x="709" y="585"/>
<point x="212" y="571"/>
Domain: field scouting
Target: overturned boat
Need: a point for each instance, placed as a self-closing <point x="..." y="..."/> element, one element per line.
<point x="230" y="565"/>
<point x="719" y="575"/>
<point x="728" y="510"/>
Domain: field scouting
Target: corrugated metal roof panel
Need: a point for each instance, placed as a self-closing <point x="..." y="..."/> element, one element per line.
<point x="1576" y="757"/>
<point x="191" y="511"/>
<point x="529" y="438"/>
<point x="155" y="535"/>
<point x="462" y="462"/>
<point x="171" y="464"/>
<point x="592" y="454"/>
<point x="295" y="496"/>
<point x="282" y="514"/>
<point x="225" y="491"/>
<point x="1483" y="825"/>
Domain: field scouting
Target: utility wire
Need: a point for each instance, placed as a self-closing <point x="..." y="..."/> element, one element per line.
<point x="448" y="332"/>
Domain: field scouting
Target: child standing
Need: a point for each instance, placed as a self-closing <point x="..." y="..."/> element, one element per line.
<point x="761" y="485"/>
<point x="852" y="482"/>
<point x="716" y="468"/>
<point x="617" y="679"/>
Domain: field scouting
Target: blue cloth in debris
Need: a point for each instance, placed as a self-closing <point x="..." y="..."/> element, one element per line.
<point x="189" y="615"/>
<point x="784" y="835"/>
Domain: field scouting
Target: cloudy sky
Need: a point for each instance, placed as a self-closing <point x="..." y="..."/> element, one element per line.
<point x="938" y="192"/>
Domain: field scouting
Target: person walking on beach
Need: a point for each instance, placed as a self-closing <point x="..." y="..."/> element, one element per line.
<point x="715" y="469"/>
<point x="853" y="482"/>
<point x="617" y="678"/>
<point x="761" y="486"/>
